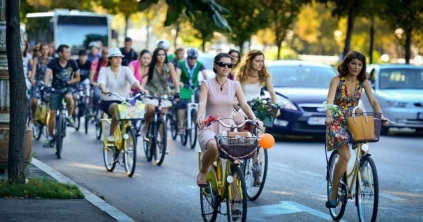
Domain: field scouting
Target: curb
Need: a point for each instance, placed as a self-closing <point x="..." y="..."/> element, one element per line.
<point x="90" y="197"/>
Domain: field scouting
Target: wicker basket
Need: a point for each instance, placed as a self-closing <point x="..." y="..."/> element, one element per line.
<point x="236" y="147"/>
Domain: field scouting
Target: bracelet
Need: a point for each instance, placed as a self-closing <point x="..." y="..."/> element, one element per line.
<point x="329" y="117"/>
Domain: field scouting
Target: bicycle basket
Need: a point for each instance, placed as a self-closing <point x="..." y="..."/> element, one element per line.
<point x="237" y="146"/>
<point x="364" y="126"/>
<point x="129" y="112"/>
<point x="264" y="110"/>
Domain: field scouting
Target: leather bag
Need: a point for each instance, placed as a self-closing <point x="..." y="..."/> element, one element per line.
<point x="361" y="126"/>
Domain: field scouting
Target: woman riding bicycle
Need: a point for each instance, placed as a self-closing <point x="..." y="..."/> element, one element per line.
<point x="345" y="92"/>
<point x="253" y="75"/>
<point x="216" y="99"/>
<point x="138" y="66"/>
<point x="115" y="78"/>
<point x="39" y="67"/>
<point x="155" y="82"/>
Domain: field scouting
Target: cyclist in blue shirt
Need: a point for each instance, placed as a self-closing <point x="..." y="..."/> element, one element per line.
<point x="187" y="71"/>
<point x="65" y="73"/>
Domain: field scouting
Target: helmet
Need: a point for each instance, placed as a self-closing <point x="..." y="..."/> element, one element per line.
<point x="192" y="53"/>
<point x="163" y="44"/>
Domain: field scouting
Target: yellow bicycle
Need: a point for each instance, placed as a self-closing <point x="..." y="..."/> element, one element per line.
<point x="228" y="185"/>
<point x="125" y="140"/>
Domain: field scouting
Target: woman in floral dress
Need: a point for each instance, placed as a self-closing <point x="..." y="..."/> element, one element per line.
<point x="345" y="92"/>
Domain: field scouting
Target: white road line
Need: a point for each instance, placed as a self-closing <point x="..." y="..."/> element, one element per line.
<point x="284" y="207"/>
<point x="390" y="196"/>
<point x="93" y="199"/>
<point x="311" y="173"/>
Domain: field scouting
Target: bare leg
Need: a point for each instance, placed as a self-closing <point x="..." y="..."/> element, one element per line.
<point x="340" y="168"/>
<point x="69" y="104"/>
<point x="114" y="123"/>
<point x="51" y="121"/>
<point x="181" y="117"/>
<point x="210" y="155"/>
<point x="34" y="108"/>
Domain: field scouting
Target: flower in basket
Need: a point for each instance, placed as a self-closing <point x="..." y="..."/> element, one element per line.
<point x="264" y="110"/>
<point x="337" y="115"/>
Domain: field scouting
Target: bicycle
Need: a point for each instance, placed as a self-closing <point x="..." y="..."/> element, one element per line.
<point x="155" y="140"/>
<point x="60" y="129"/>
<point x="229" y="185"/>
<point x="82" y="107"/>
<point x="125" y="141"/>
<point x="172" y="120"/>
<point x="190" y="117"/>
<point x="40" y="123"/>
<point x="360" y="183"/>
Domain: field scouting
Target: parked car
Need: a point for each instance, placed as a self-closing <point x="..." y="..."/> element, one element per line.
<point x="301" y="88"/>
<point x="399" y="90"/>
<point x="207" y="60"/>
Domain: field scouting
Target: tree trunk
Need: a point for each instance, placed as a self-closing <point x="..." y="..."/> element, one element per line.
<point x="177" y="29"/>
<point x="408" y="44"/>
<point x="372" y="36"/>
<point x="18" y="110"/>
<point x="279" y="45"/>
<point x="126" y="25"/>
<point x="203" y="45"/>
<point x="351" y="17"/>
<point x="241" y="47"/>
<point x="147" y="38"/>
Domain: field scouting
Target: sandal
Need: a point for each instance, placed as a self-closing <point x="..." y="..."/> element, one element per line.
<point x="200" y="182"/>
<point x="181" y="130"/>
<point x="236" y="214"/>
<point x="331" y="203"/>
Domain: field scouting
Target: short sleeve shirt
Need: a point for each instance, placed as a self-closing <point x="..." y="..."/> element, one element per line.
<point x="61" y="74"/>
<point x="121" y="84"/>
<point x="84" y="69"/>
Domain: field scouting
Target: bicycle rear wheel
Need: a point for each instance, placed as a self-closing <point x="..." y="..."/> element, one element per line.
<point x="60" y="126"/>
<point x="367" y="193"/>
<point x="172" y="124"/>
<point x="184" y="135"/>
<point x="130" y="152"/>
<point x="160" y="142"/>
<point x="209" y="204"/>
<point x="87" y="115"/>
<point x="148" y="142"/>
<point x="338" y="212"/>
<point x="193" y="130"/>
<point x="38" y="130"/>
<point x="76" y="115"/>
<point x="236" y="201"/>
<point x="255" y="173"/>
<point x="109" y="154"/>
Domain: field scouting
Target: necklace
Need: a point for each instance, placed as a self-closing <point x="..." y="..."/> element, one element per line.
<point x="221" y="85"/>
<point x="253" y="76"/>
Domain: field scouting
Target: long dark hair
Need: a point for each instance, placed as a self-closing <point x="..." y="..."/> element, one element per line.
<point x="144" y="51"/>
<point x="343" y="66"/>
<point x="239" y="55"/>
<point x="153" y="62"/>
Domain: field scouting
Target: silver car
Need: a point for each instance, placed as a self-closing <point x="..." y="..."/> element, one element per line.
<point x="399" y="90"/>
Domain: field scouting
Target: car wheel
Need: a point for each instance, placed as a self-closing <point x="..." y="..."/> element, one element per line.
<point x="384" y="130"/>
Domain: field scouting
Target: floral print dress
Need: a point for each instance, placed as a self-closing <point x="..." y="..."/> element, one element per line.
<point x="337" y="133"/>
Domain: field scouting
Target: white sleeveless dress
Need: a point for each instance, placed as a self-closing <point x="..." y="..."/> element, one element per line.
<point x="251" y="91"/>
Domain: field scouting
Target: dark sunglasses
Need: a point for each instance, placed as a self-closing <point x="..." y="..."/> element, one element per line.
<point x="222" y="64"/>
<point x="192" y="57"/>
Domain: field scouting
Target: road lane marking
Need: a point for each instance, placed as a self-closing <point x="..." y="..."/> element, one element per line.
<point x="284" y="207"/>
<point x="311" y="173"/>
<point x="390" y="196"/>
<point x="90" y="197"/>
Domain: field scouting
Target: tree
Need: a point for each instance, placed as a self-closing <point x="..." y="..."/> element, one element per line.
<point x="18" y="110"/>
<point x="176" y="7"/>
<point x="124" y="7"/>
<point x="406" y="16"/>
<point x="246" y="18"/>
<point x="203" y="30"/>
<point x="281" y="15"/>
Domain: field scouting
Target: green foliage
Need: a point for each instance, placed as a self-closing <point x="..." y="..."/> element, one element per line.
<point x="210" y="8"/>
<point x="405" y="14"/>
<point x="40" y="188"/>
<point x="245" y="18"/>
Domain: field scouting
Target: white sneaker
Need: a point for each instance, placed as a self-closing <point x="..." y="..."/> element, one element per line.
<point x="111" y="139"/>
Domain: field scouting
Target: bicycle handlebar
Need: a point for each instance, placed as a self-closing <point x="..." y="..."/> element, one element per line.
<point x="213" y="119"/>
<point x="166" y="97"/>
<point x="125" y="99"/>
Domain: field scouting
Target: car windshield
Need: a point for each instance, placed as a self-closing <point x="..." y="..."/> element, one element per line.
<point x="207" y="60"/>
<point x="301" y="76"/>
<point x="401" y="78"/>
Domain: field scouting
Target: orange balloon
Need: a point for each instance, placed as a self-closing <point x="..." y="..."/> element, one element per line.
<point x="267" y="141"/>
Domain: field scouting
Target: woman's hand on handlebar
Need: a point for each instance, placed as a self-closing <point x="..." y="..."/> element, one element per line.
<point x="259" y="123"/>
<point x="329" y="120"/>
<point x="200" y="122"/>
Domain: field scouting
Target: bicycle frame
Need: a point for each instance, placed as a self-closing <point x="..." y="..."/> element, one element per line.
<point x="353" y="175"/>
<point x="192" y="105"/>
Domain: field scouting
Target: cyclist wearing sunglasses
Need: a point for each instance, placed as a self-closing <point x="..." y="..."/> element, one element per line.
<point x="187" y="71"/>
<point x="216" y="99"/>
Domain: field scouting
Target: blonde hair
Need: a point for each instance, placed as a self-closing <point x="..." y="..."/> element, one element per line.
<point x="244" y="68"/>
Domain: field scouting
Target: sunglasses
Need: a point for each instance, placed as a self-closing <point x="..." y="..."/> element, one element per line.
<point x="222" y="64"/>
<point x="192" y="57"/>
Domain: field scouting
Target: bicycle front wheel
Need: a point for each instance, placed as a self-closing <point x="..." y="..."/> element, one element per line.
<point x="60" y="127"/>
<point x="109" y="154"/>
<point x="342" y="197"/>
<point x="87" y="118"/>
<point x="236" y="201"/>
<point x="367" y="193"/>
<point x="98" y="128"/>
<point x="255" y="173"/>
<point x="130" y="152"/>
<point x="193" y="130"/>
<point x="160" y="142"/>
<point x="148" y="142"/>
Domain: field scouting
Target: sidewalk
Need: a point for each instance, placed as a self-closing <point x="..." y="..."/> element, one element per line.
<point x="92" y="208"/>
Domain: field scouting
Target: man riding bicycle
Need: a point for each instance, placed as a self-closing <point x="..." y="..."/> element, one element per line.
<point x="96" y="65"/>
<point x="84" y="66"/>
<point x="65" y="72"/>
<point x="187" y="71"/>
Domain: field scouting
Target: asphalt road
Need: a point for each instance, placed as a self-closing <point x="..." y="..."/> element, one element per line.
<point x="295" y="189"/>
